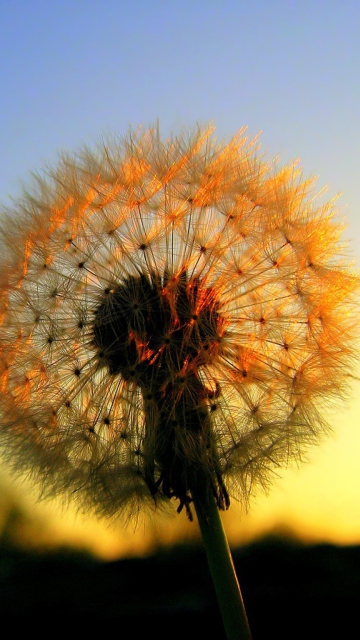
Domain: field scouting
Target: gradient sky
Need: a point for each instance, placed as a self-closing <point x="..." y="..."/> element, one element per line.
<point x="71" y="71"/>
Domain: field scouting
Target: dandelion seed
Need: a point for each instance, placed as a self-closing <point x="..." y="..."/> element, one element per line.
<point x="170" y="311"/>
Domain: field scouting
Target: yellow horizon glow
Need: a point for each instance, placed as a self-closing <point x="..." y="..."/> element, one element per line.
<point x="317" y="502"/>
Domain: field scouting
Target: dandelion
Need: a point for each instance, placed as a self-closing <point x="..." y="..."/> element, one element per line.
<point x="175" y="316"/>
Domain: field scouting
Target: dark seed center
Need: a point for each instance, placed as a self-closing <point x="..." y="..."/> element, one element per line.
<point x="157" y="333"/>
<point x="157" y="329"/>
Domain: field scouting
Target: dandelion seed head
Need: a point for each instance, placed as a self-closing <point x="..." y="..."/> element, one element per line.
<point x="170" y="310"/>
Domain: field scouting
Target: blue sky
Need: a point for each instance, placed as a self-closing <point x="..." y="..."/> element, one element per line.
<point x="71" y="71"/>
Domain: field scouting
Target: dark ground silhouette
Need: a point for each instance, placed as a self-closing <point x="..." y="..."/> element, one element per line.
<point x="290" y="590"/>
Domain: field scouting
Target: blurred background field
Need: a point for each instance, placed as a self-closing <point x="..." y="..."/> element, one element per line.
<point x="290" y="590"/>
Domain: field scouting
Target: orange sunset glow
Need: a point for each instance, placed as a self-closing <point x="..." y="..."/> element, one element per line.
<point x="317" y="501"/>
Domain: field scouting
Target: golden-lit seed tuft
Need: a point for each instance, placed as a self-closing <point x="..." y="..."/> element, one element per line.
<point x="169" y="310"/>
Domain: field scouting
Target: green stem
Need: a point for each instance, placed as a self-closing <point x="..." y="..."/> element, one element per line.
<point x="221" y="566"/>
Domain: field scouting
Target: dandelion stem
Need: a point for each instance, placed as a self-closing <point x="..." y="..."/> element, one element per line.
<point x="221" y="566"/>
